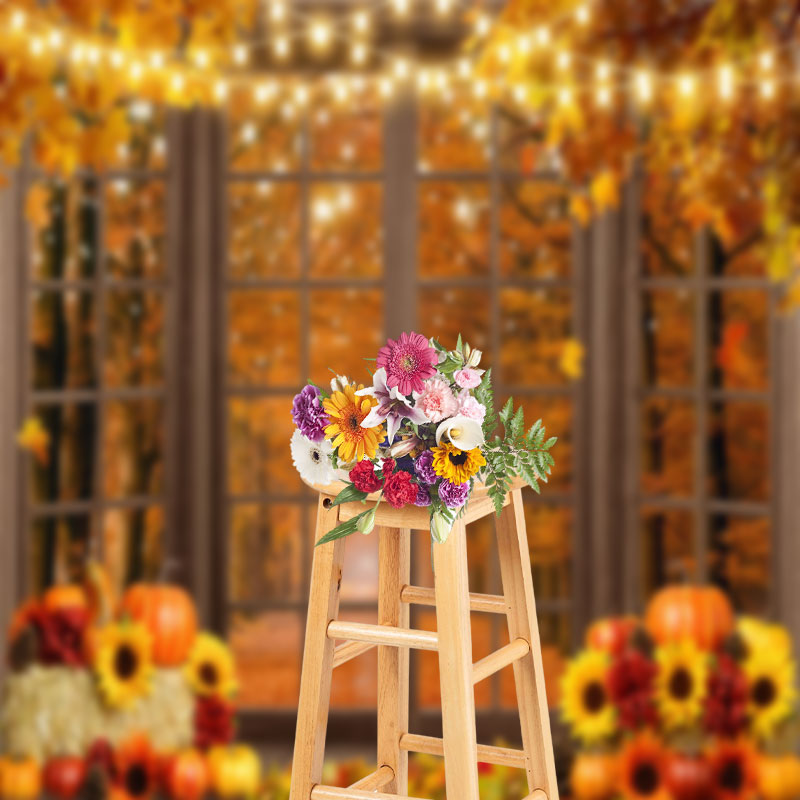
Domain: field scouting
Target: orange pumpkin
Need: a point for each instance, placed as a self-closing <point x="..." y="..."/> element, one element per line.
<point x="611" y="634"/>
<point x="701" y="613"/>
<point x="594" y="776"/>
<point x="20" y="780"/>
<point x="68" y="595"/>
<point x="187" y="776"/>
<point x="779" y="777"/>
<point x="170" y="616"/>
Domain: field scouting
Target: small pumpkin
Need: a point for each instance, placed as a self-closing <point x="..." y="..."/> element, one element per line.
<point x="235" y="771"/>
<point x="611" y="634"/>
<point x="779" y="777"/>
<point x="67" y="595"/>
<point x="689" y="777"/>
<point x="169" y="614"/>
<point x="64" y="776"/>
<point x="187" y="776"/>
<point x="594" y="776"/>
<point x="20" y="779"/>
<point x="701" y="613"/>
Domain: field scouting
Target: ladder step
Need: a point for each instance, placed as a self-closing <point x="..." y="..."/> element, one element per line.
<point x="320" y="792"/>
<point x="383" y="634"/>
<point x="537" y="794"/>
<point x="433" y="746"/>
<point x="375" y="780"/>
<point x="348" y="651"/>
<point x="494" y="662"/>
<point x="419" y="595"/>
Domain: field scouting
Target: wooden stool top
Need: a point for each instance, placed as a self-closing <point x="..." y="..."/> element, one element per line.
<point x="413" y="517"/>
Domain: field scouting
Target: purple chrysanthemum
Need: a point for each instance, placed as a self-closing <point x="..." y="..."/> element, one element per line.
<point x="423" y="466"/>
<point x="408" y="361"/>
<point x="308" y="414"/>
<point x="423" y="497"/>
<point x="454" y="495"/>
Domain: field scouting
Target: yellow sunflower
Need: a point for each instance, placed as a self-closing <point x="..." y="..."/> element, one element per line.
<point x="759" y="635"/>
<point x="210" y="669"/>
<point x="770" y="677"/>
<point x="123" y="663"/>
<point x="346" y="412"/>
<point x="585" y="703"/>
<point x="681" y="683"/>
<point x="457" y="466"/>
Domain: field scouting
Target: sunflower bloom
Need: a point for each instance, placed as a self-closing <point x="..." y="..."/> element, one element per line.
<point x="454" y="465"/>
<point x="211" y="670"/>
<point x="136" y="770"/>
<point x="347" y="412"/>
<point x="123" y="663"/>
<point x="734" y="767"/>
<point x="585" y="702"/>
<point x="772" y="695"/>
<point x="642" y="769"/>
<point x="681" y="683"/>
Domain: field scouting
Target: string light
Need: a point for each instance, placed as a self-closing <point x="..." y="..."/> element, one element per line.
<point x="221" y="90"/>
<point x="201" y="59"/>
<point x="36" y="46"/>
<point x="726" y="82"/>
<point x="76" y="54"/>
<point x="135" y="71"/>
<point x="686" y="86"/>
<point x="564" y="60"/>
<point x="281" y="47"/>
<point x="93" y="55"/>
<point x="524" y="45"/>
<point x="401" y="7"/>
<point x="277" y="11"/>
<point x="603" y="96"/>
<point x="56" y="39"/>
<point x="582" y="15"/>
<point x="401" y="69"/>
<point x="18" y="20"/>
<point x="117" y="59"/>
<point x="519" y="93"/>
<point x="766" y="60"/>
<point x="361" y="22"/>
<point x="386" y="87"/>
<point x="543" y="36"/>
<point x="301" y="94"/>
<point x="767" y="89"/>
<point x="264" y="92"/>
<point x="443" y="7"/>
<point x="157" y="60"/>
<point x="565" y="96"/>
<point x="320" y="34"/>
<point x="240" y="55"/>
<point x="177" y="83"/>
<point x="483" y="24"/>
<point x="358" y="53"/>
<point x="504" y="53"/>
<point x="464" y="68"/>
<point x="644" y="86"/>
<point x="602" y="71"/>
<point x="481" y="88"/>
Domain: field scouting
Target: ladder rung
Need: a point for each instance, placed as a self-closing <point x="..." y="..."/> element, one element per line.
<point x="383" y="634"/>
<point x="333" y="793"/>
<point x="419" y="595"/>
<point x="375" y="780"/>
<point x="433" y="746"/>
<point x="494" y="662"/>
<point x="348" y="651"/>
<point x="537" y="794"/>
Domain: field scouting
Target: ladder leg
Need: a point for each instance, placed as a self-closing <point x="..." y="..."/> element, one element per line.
<point x="394" y="570"/>
<point x="528" y="671"/>
<point x="315" y="681"/>
<point x="455" y="665"/>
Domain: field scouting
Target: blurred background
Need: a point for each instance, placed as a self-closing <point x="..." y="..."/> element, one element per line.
<point x="159" y="314"/>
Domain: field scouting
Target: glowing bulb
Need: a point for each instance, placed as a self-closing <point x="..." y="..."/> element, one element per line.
<point x="36" y="46"/>
<point x="93" y="55"/>
<point x="686" y="85"/>
<point x="301" y="95"/>
<point x="603" y="96"/>
<point x="264" y="92"/>
<point x="201" y="59"/>
<point x="157" y="60"/>
<point x="423" y="80"/>
<point x="358" y="84"/>
<point x="401" y="7"/>
<point x="277" y="11"/>
<point x="358" y="53"/>
<point x="249" y="133"/>
<point x="504" y="53"/>
<point x="543" y="35"/>
<point x="564" y="60"/>
<point x="18" y="20"/>
<point x="177" y="83"/>
<point x="524" y="45"/>
<point x="565" y="96"/>
<point x="443" y="6"/>
<point x="767" y="89"/>
<point x="386" y="87"/>
<point x="483" y="24"/>
<point x="481" y="88"/>
<point x="464" y="68"/>
<point x="361" y="21"/>
<point x="135" y="71"/>
<point x="56" y="39"/>
<point x="240" y="55"/>
<point x="402" y="69"/>
<point x="340" y="91"/>
<point x="440" y="80"/>
<point x="519" y="93"/>
<point x="221" y="90"/>
<point x="644" y="86"/>
<point x="320" y="34"/>
<point x="281" y="47"/>
<point x="766" y="60"/>
<point x="117" y="59"/>
<point x="323" y="211"/>
<point x="602" y="71"/>
<point x="582" y="15"/>
<point x="726" y="82"/>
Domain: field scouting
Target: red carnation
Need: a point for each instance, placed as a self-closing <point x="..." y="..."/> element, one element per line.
<point x="726" y="699"/>
<point x="364" y="478"/>
<point x="630" y="684"/>
<point x="388" y="466"/>
<point x="213" y="722"/>
<point x="61" y="633"/>
<point x="399" y="490"/>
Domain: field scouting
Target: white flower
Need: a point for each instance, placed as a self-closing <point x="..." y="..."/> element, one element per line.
<point x="312" y="459"/>
<point x="339" y="382"/>
<point x="461" y="431"/>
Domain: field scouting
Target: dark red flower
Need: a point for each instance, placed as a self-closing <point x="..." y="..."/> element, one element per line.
<point x="101" y="756"/>
<point x="630" y="685"/>
<point x="399" y="490"/>
<point x="364" y="478"/>
<point x="61" y="635"/>
<point x="726" y="699"/>
<point x="213" y="722"/>
<point x="388" y="467"/>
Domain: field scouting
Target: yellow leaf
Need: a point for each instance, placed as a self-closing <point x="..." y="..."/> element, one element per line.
<point x="580" y="208"/>
<point x="605" y="190"/>
<point x="572" y="355"/>
<point x="37" y="206"/>
<point x="34" y="438"/>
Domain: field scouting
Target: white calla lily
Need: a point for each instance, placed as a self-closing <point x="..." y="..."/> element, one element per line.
<point x="462" y="432"/>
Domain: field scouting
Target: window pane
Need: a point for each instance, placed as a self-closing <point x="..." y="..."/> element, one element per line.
<point x="346" y="327"/>
<point x="135" y="228"/>
<point x="740" y="339"/>
<point x="265" y="553"/>
<point x="59" y="548"/>
<point x="63" y="219"/>
<point x="453" y="229"/>
<point x="742" y="256"/>
<point x="447" y="312"/>
<point x="347" y="137"/>
<point x="263" y="139"/>
<point x="69" y="471"/>
<point x="264" y="229"/>
<point x="267" y="649"/>
<point x="668" y="548"/>
<point x="62" y="334"/>
<point x="264" y="331"/>
<point x="259" y="460"/>
<point x="453" y="136"/>
<point x="668" y="241"/>
<point x="535" y="230"/>
<point x="739" y="451"/>
<point x="133" y="448"/>
<point x="741" y="560"/>
<point x="534" y="327"/>
<point x="346" y="230"/>
<point x="550" y="546"/>
<point x="133" y="544"/>
<point x="355" y="684"/>
<point x="668" y="428"/>
<point x="147" y="147"/>
<point x="135" y="331"/>
<point x="668" y="341"/>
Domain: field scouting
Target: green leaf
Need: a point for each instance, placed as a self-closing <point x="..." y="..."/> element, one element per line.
<point x="348" y="495"/>
<point x="508" y="410"/>
<point x="343" y="529"/>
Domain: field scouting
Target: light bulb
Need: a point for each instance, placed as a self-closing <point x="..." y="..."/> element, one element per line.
<point x="117" y="58"/>
<point x="277" y="11"/>
<point x="464" y="68"/>
<point x="361" y="21"/>
<point x="157" y="60"/>
<point x="481" y="88"/>
<point x="686" y="85"/>
<point x="603" y="96"/>
<point x="93" y="55"/>
<point x="240" y="55"/>
<point x="264" y="92"/>
<point x="565" y="95"/>
<point x="564" y="59"/>
<point x="644" y="86"/>
<point x="177" y="82"/>
<point x="36" y="46"/>
<point x="519" y="94"/>
<point x="401" y="7"/>
<point x="766" y="60"/>
<point x="301" y="94"/>
<point x="726" y="82"/>
<point x="402" y="69"/>
<point x="281" y="47"/>
<point x="320" y="34"/>
<point x="76" y="54"/>
<point x="504" y="53"/>
<point x="443" y="6"/>
<point x="423" y="80"/>
<point x="386" y="87"/>
<point x="249" y="133"/>
<point x="767" y="89"/>
<point x="18" y="20"/>
<point x="221" y="89"/>
<point x="602" y="71"/>
<point x="543" y="35"/>
<point x="524" y="44"/>
<point x="135" y="71"/>
<point x="358" y="53"/>
<point x="483" y="24"/>
<point x="201" y="59"/>
<point x="340" y="90"/>
<point x="56" y="39"/>
<point x="582" y="14"/>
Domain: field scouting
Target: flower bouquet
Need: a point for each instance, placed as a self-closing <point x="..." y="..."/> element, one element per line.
<point x="422" y="434"/>
<point x="687" y="704"/>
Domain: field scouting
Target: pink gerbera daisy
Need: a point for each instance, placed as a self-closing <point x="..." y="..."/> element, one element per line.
<point x="408" y="362"/>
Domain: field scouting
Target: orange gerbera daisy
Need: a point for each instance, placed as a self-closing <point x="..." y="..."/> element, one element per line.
<point x="642" y="769"/>
<point x="136" y="770"/>
<point x="734" y="766"/>
<point x="347" y="412"/>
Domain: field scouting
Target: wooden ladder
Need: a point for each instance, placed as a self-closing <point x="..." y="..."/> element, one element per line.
<point x="453" y="641"/>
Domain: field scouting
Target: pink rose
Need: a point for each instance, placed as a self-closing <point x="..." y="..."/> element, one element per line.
<point x="437" y="400"/>
<point x="469" y="407"/>
<point x="468" y="378"/>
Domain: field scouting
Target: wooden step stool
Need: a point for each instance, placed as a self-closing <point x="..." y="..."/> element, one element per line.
<point x="453" y="602"/>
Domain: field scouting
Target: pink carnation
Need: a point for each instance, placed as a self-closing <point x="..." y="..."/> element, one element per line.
<point x="437" y="400"/>
<point x="469" y="407"/>
<point x="468" y="378"/>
